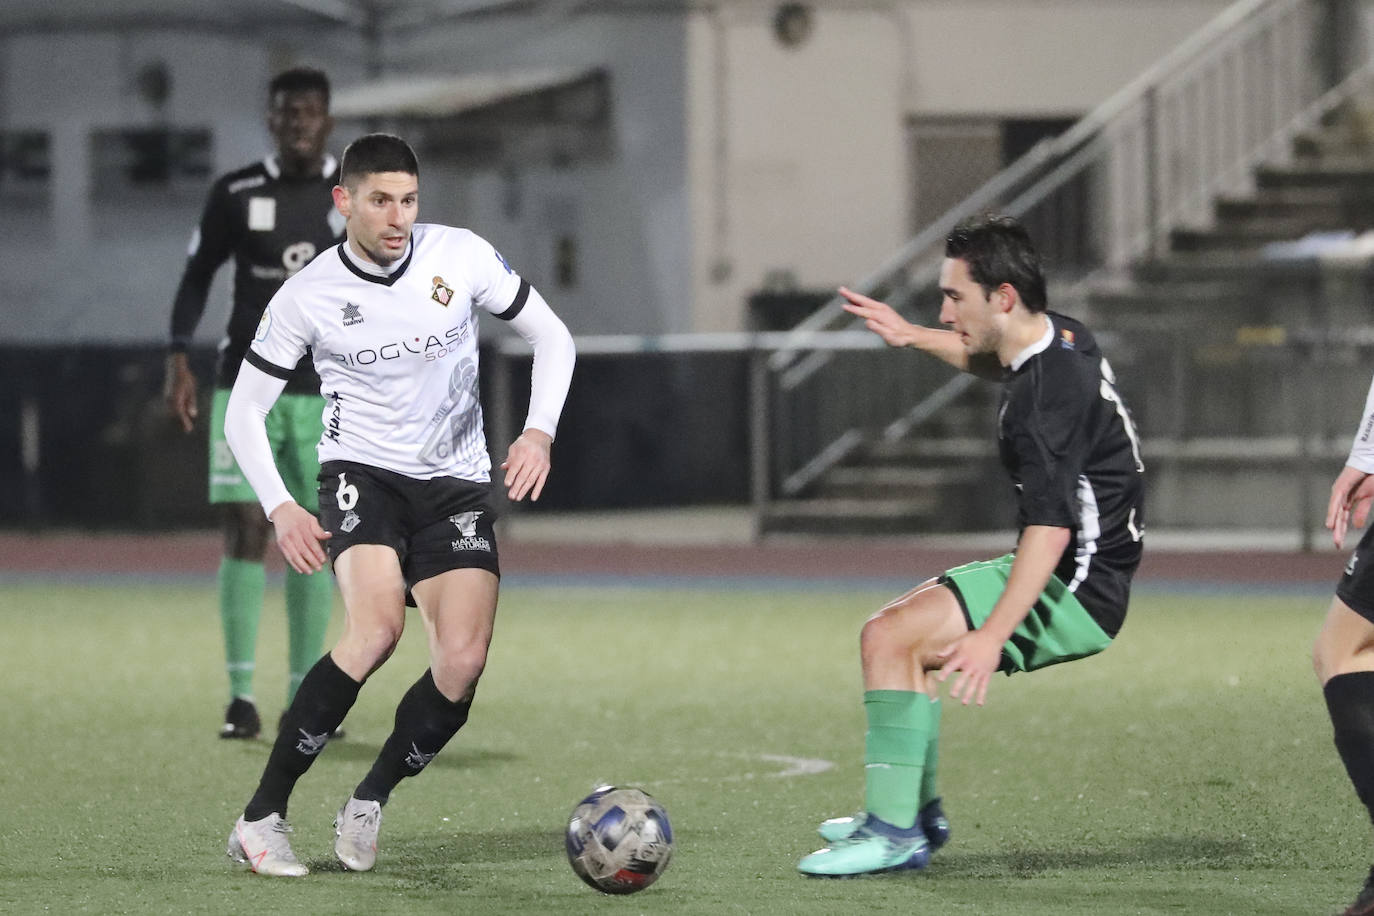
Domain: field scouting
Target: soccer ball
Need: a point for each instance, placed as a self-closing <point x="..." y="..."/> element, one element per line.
<point x="619" y="840"/>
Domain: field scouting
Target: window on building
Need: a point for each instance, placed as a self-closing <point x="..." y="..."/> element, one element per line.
<point x="149" y="164"/>
<point x="25" y="168"/>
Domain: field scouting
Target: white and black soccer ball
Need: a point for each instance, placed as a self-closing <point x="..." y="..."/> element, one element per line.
<point x="619" y="840"/>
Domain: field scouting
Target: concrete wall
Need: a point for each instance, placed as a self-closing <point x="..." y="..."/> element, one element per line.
<point x="1038" y="58"/>
<point x="796" y="154"/>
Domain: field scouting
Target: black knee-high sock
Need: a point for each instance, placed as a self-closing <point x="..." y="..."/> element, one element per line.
<point x="1350" y="701"/>
<point x="425" y="721"/>
<point x="323" y="699"/>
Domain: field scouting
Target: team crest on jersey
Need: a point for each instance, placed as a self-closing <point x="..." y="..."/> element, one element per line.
<point x="1066" y="340"/>
<point x="352" y="315"/>
<point x="442" y="292"/>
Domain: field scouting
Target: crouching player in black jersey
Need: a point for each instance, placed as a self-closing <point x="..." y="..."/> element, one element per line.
<point x="390" y="317"/>
<point x="1071" y="450"/>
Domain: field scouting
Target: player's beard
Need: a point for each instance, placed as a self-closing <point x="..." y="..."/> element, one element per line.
<point x="383" y="258"/>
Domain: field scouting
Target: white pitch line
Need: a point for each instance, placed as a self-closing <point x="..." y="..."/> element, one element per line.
<point x="799" y="766"/>
<point x="791" y="766"/>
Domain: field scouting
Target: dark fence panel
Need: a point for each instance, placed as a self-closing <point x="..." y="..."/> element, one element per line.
<point x="638" y="430"/>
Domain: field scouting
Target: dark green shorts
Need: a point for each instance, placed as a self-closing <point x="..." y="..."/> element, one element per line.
<point x="294" y="427"/>
<point x="1057" y="629"/>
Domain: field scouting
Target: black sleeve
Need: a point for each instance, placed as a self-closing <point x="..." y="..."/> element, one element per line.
<point x="218" y="230"/>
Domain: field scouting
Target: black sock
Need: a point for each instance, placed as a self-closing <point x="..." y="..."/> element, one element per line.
<point x="1350" y="701"/>
<point x="425" y="721"/>
<point x="323" y="699"/>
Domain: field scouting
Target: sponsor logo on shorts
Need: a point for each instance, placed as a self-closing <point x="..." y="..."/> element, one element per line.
<point x="466" y="522"/>
<point x="472" y="542"/>
<point x="350" y="521"/>
<point x="352" y="314"/>
<point x="1350" y="564"/>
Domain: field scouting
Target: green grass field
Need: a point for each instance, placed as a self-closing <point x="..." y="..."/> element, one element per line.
<point x="1189" y="769"/>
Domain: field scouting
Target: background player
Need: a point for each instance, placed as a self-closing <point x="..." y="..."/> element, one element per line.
<point x="1068" y="443"/>
<point x="271" y="217"/>
<point x="1344" y="652"/>
<point x="390" y="315"/>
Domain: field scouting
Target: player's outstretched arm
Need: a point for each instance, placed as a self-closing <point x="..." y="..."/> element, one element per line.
<point x="883" y="320"/>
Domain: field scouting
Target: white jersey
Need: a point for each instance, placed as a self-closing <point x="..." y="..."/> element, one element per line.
<point x="396" y="354"/>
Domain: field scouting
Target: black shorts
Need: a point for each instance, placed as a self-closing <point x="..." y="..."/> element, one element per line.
<point x="433" y="525"/>
<point x="1356" y="587"/>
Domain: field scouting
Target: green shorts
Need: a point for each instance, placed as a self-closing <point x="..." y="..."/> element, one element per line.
<point x="1057" y="629"/>
<point x="294" y="427"/>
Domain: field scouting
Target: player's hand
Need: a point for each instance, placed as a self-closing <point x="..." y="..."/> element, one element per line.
<point x="298" y="537"/>
<point x="527" y="464"/>
<point x="975" y="656"/>
<point x="1350" y="503"/>
<point x="879" y="317"/>
<point x="179" y="390"/>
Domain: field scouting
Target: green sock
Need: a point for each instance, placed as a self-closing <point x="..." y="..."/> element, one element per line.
<point x="309" y="603"/>
<point x="928" y="790"/>
<point x="241" y="584"/>
<point x="894" y="753"/>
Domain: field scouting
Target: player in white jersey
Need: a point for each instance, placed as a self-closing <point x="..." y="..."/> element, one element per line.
<point x="390" y="316"/>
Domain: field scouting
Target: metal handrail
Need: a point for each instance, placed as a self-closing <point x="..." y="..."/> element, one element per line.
<point x="1265" y="37"/>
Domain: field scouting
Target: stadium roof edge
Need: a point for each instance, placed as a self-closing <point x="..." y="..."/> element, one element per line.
<point x="430" y="96"/>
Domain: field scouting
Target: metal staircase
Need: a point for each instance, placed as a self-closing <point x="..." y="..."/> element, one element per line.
<point x="1160" y="213"/>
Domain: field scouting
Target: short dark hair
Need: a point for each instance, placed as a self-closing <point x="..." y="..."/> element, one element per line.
<point x="299" y="79"/>
<point x="372" y="153"/>
<point x="998" y="250"/>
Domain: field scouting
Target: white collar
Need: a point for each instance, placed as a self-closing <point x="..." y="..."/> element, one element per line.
<point x="1040" y="346"/>
<point x="273" y="165"/>
<point x="377" y="270"/>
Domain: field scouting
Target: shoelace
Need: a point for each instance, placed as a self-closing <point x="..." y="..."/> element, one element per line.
<point x="277" y="843"/>
<point x="367" y="820"/>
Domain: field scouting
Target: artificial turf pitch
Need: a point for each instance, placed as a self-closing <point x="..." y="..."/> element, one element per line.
<point x="1188" y="769"/>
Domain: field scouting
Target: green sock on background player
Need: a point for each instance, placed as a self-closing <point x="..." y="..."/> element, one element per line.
<point x="895" y="753"/>
<point x="241" y="587"/>
<point x="309" y="604"/>
<point x="928" y="790"/>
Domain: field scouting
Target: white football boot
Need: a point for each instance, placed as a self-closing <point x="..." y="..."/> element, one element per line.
<point x="263" y="846"/>
<point x="355" y="834"/>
